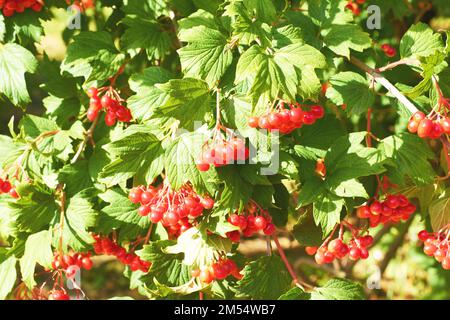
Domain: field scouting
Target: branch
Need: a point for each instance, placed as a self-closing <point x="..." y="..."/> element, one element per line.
<point x="395" y="246"/>
<point x="87" y="136"/>
<point x="385" y="83"/>
<point x="298" y="283"/>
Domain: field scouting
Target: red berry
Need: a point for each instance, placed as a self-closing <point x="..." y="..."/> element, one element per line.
<point x="92" y="114"/>
<point x="260" y="223"/>
<point x="311" y="250"/>
<point x="92" y="92"/>
<point x="274" y="120"/>
<point x="376" y="208"/>
<point x="309" y="118"/>
<point x="296" y="115"/>
<point x="423" y="235"/>
<point x="144" y="210"/>
<point x="425" y="128"/>
<point x="354" y="253"/>
<point x="335" y="245"/>
<point x="253" y="122"/>
<point x="363" y="212"/>
<point x="71" y="271"/>
<point x="317" y="111"/>
<point x="269" y="229"/>
<point x="203" y="167"/>
<point x="413" y="126"/>
<point x="206" y="276"/>
<point x="135" y="195"/>
<point x="418" y="116"/>
<point x="207" y="203"/>
<point x="86" y="263"/>
<point x="445" y="123"/>
<point x="110" y="119"/>
<point x="58" y="295"/>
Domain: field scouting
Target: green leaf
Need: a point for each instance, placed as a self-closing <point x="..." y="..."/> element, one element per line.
<point x="306" y="232"/>
<point x="439" y="211"/>
<point x="350" y="189"/>
<point x="338" y="289"/>
<point x="76" y="177"/>
<point x="348" y="159"/>
<point x="15" y="61"/>
<point x="198" y="248"/>
<point x="147" y="97"/>
<point x="341" y="38"/>
<point x="189" y="101"/>
<point x="166" y="268"/>
<point x="207" y="55"/>
<point x="92" y="55"/>
<point x="264" y="278"/>
<point x="315" y="140"/>
<point x="121" y="213"/>
<point x="237" y="191"/>
<point x="295" y="294"/>
<point x="409" y="155"/>
<point x="38" y="249"/>
<point x="8" y="274"/>
<point x="352" y="89"/>
<point x="139" y="153"/>
<point x="145" y="34"/>
<point x="78" y="217"/>
<point x="34" y="210"/>
<point x="180" y="159"/>
<point x="327" y="211"/>
<point x="420" y="41"/>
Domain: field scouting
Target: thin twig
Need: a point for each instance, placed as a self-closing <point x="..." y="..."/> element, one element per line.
<point x="87" y="136"/>
<point x="385" y="83"/>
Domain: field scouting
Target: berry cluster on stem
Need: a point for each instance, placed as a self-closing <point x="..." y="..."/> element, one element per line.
<point x="354" y="6"/>
<point x="6" y="187"/>
<point x="355" y="248"/>
<point x="252" y="220"/>
<point x="175" y="210"/>
<point x="393" y="209"/>
<point x="437" y="245"/>
<point x="71" y="263"/>
<point x="9" y="7"/>
<point x="219" y="151"/>
<point x="388" y="50"/>
<point x="218" y="270"/>
<point x="288" y="119"/>
<point x="108" y="99"/>
<point x="106" y="246"/>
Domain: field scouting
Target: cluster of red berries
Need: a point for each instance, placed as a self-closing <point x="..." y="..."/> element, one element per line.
<point x="58" y="295"/>
<point x="6" y="187"/>
<point x="9" y="7"/>
<point x="109" y="247"/>
<point x="388" y="50"/>
<point x="393" y="209"/>
<point x="176" y="210"/>
<point x="82" y="5"/>
<point x="337" y="249"/>
<point x="111" y="103"/>
<point x="217" y="271"/>
<point x="354" y="6"/>
<point x="221" y="152"/>
<point x="437" y="245"/>
<point x="72" y="263"/>
<point x="287" y="120"/>
<point x="253" y="220"/>
<point x="428" y="128"/>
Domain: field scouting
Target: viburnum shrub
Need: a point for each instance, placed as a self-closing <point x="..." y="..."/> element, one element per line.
<point x="194" y="146"/>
